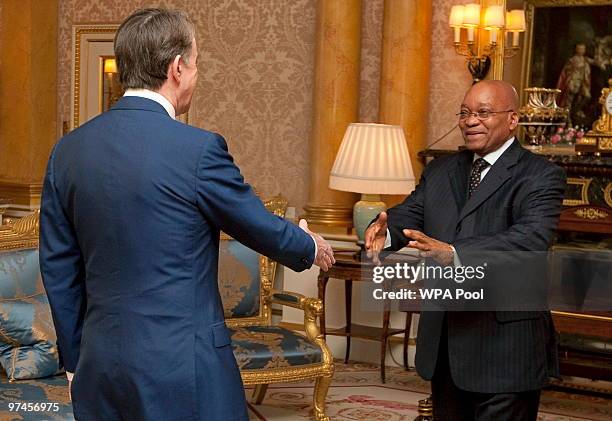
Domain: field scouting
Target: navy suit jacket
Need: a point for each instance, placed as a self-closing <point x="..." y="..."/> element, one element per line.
<point x="515" y="208"/>
<point x="132" y="205"/>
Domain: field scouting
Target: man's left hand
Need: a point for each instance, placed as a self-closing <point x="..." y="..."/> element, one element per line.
<point x="440" y="251"/>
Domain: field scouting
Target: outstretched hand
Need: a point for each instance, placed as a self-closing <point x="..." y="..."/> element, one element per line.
<point x="375" y="237"/>
<point x="440" y="251"/>
<point x="325" y="255"/>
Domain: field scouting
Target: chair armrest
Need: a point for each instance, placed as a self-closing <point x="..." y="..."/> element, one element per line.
<point x="288" y="298"/>
<point x="312" y="307"/>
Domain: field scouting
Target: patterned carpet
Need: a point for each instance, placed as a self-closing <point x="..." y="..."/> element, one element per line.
<point x="356" y="394"/>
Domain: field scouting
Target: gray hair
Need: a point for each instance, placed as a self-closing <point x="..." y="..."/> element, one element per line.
<point x="147" y="42"/>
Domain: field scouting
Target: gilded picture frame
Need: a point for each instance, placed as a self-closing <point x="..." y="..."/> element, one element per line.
<point x="547" y="70"/>
<point x="91" y="46"/>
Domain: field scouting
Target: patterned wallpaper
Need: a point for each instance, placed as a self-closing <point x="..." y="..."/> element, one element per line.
<point x="449" y="79"/>
<point x="254" y="85"/>
<point x="371" y="52"/>
<point x="256" y="74"/>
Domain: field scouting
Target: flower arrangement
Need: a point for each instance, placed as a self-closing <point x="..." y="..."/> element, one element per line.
<point x="565" y="135"/>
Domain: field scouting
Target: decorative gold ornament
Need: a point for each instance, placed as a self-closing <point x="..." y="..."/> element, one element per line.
<point x="590" y="213"/>
<point x="20" y="233"/>
<point x="599" y="140"/>
<point x="608" y="194"/>
<point x="584" y="189"/>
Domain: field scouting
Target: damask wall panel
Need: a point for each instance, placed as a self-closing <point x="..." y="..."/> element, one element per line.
<point x="449" y="79"/>
<point x="371" y="51"/>
<point x="256" y="73"/>
<point x="255" y="80"/>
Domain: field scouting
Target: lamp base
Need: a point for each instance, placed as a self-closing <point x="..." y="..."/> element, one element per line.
<point x="364" y="211"/>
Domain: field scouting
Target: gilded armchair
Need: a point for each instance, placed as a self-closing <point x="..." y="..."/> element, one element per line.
<point x="266" y="353"/>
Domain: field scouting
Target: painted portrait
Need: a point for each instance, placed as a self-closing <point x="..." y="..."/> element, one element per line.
<point x="572" y="51"/>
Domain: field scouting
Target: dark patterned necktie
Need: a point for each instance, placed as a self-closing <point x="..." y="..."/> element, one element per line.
<point x="477" y="168"/>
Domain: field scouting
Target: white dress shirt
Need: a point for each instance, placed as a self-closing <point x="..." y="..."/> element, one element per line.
<point x="154" y="96"/>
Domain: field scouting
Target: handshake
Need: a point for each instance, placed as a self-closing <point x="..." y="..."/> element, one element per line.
<point x="325" y="255"/>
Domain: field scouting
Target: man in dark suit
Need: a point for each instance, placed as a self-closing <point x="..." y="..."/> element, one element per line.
<point x="492" y="196"/>
<point x="132" y="205"/>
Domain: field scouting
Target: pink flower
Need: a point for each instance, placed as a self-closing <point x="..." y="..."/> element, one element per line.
<point x="580" y="134"/>
<point x="554" y="139"/>
<point x="560" y="130"/>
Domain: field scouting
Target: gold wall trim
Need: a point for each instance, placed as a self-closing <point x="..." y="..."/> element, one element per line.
<point x="584" y="184"/>
<point x="79" y="31"/>
<point x="21" y="193"/>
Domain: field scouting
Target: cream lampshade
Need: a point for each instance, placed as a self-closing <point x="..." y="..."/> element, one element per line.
<point x="455" y="20"/>
<point x="494" y="21"/>
<point x="372" y="160"/>
<point x="515" y="24"/>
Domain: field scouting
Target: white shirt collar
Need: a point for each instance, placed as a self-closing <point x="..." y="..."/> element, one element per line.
<point x="491" y="157"/>
<point x="154" y="96"/>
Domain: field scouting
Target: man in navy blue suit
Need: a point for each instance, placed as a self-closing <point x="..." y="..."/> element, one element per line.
<point x="132" y="205"/>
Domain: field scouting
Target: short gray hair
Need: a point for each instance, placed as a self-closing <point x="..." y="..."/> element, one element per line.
<point x="147" y="42"/>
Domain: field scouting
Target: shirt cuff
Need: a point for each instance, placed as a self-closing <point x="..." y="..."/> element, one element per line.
<point x="388" y="239"/>
<point x="456" y="261"/>
<point x="69" y="375"/>
<point x="316" y="248"/>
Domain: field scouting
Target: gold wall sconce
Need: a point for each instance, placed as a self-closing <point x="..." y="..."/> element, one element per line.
<point x="485" y="35"/>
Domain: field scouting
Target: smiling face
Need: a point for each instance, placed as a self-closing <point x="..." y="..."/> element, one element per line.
<point x="483" y="136"/>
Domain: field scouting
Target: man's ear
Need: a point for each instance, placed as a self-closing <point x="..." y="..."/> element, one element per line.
<point x="514" y="120"/>
<point x="174" y="70"/>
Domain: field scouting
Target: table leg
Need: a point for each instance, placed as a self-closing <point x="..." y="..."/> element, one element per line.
<point x="348" y="300"/>
<point x="321" y="286"/>
<point x="383" y="343"/>
<point x="407" y="337"/>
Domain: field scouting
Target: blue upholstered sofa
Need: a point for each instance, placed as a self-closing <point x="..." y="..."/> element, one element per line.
<point x="28" y="355"/>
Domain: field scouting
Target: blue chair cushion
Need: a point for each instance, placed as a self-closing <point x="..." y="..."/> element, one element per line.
<point x="27" y="336"/>
<point x="238" y="279"/>
<point x="257" y="347"/>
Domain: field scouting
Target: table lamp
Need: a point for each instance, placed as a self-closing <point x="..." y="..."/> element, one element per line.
<point x="372" y="160"/>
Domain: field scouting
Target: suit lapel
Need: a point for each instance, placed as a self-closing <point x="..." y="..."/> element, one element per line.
<point x="494" y="179"/>
<point x="459" y="177"/>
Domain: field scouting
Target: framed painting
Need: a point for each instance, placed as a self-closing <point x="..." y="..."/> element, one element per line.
<point x="95" y="81"/>
<point x="568" y="46"/>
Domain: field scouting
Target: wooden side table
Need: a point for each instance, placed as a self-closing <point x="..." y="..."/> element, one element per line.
<point x="351" y="269"/>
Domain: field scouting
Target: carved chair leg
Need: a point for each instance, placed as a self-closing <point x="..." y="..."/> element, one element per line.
<point x="320" y="394"/>
<point x="259" y="393"/>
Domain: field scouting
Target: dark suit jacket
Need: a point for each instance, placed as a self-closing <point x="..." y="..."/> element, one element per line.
<point x="516" y="207"/>
<point x="132" y="205"/>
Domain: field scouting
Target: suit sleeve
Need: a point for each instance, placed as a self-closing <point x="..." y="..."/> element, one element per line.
<point x="231" y="205"/>
<point x="62" y="270"/>
<point x="534" y="228"/>
<point x="407" y="215"/>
